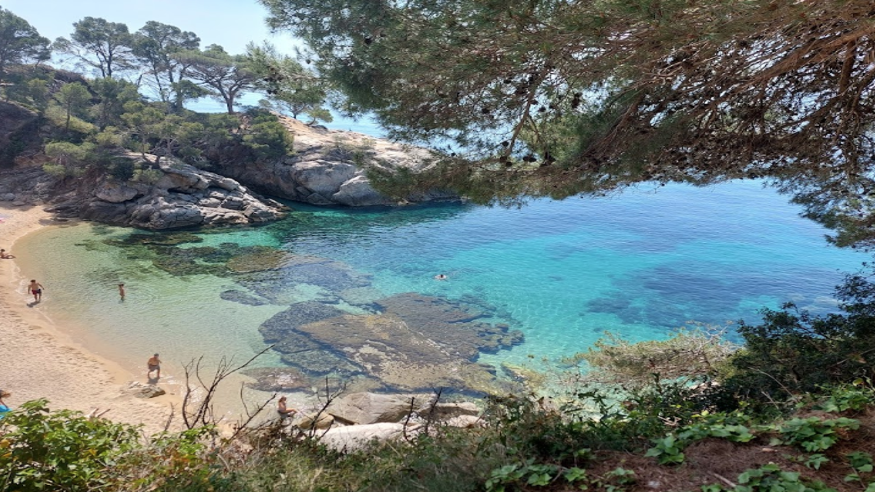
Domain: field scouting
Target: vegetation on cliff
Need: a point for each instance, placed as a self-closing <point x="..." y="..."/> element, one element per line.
<point x="137" y="100"/>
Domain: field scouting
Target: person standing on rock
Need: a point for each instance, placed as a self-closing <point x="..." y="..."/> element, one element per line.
<point x="36" y="289"/>
<point x="154" y="364"/>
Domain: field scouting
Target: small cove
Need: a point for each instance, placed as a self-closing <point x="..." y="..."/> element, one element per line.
<point x="638" y="264"/>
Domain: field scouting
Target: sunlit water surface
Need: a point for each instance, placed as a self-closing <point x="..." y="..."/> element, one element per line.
<point x="639" y="264"/>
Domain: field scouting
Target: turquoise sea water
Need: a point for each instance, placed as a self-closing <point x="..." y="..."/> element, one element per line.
<point x="639" y="264"/>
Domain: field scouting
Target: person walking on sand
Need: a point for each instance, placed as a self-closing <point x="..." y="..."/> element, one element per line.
<point x="36" y="289"/>
<point x="121" y="291"/>
<point x="283" y="410"/>
<point x="154" y="364"/>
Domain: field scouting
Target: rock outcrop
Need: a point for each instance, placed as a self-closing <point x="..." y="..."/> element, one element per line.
<point x="180" y="196"/>
<point x="141" y="390"/>
<point x="329" y="168"/>
<point x="372" y="408"/>
<point x="355" y="420"/>
<point x="413" y="343"/>
<point x="355" y="437"/>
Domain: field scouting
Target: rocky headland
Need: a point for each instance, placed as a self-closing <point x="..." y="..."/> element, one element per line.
<point x="329" y="167"/>
<point x="326" y="168"/>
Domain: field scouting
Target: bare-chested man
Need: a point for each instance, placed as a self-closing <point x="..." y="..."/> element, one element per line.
<point x="36" y="289"/>
<point x="154" y="364"/>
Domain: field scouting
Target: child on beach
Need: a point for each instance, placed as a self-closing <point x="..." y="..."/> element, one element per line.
<point x="4" y="255"/>
<point x="121" y="291"/>
<point x="36" y="289"/>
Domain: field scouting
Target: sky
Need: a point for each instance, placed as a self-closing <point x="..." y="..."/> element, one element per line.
<point x="230" y="23"/>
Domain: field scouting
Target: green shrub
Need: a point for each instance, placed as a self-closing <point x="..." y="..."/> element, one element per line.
<point x="794" y="352"/>
<point x="69" y="159"/>
<point x="122" y="170"/>
<point x="184" y="461"/>
<point x="60" y="450"/>
<point x="267" y="137"/>
<point x="58" y="116"/>
<point x="689" y="354"/>
<point x="147" y="176"/>
<point x="771" y="477"/>
<point x="855" y="397"/>
<point x="813" y="434"/>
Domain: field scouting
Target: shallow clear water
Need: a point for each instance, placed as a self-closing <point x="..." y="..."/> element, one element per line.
<point x="639" y="264"/>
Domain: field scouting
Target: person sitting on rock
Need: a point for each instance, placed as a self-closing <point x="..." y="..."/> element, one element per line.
<point x="284" y="411"/>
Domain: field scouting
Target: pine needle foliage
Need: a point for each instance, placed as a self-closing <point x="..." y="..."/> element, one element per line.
<point x="555" y="98"/>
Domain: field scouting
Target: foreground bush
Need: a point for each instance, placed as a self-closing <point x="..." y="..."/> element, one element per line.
<point x="41" y="450"/>
<point x="794" y="352"/>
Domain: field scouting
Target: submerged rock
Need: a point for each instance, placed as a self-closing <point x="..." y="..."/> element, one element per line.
<point x="278" y="379"/>
<point x="533" y="379"/>
<point x="242" y="298"/>
<point x="331" y="275"/>
<point x="417" y="343"/>
<point x="450" y="324"/>
<point x="157" y="239"/>
<point x="285" y="323"/>
<point x="257" y="259"/>
<point x="182" y="265"/>
<point x="323" y="274"/>
<point x="386" y="348"/>
<point x="322" y="362"/>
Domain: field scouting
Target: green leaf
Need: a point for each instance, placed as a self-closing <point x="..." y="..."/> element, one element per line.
<point x="574" y="474"/>
<point x="539" y="479"/>
<point x="815" y="460"/>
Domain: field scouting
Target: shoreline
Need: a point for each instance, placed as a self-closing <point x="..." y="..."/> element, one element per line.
<point x="42" y="361"/>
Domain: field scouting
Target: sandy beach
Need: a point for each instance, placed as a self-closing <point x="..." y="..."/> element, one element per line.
<point x="41" y="361"/>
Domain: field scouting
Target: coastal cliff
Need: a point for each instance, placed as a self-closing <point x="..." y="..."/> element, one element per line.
<point x="226" y="186"/>
<point x="329" y="167"/>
